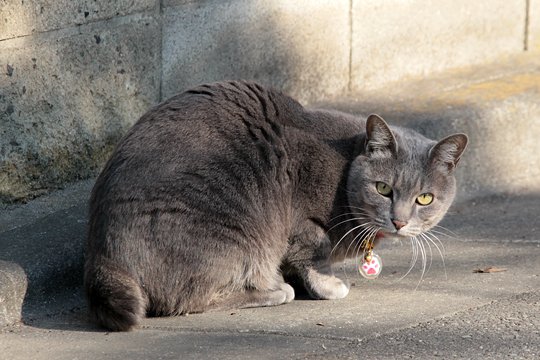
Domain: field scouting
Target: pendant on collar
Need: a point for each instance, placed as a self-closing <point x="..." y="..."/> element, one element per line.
<point x="371" y="264"/>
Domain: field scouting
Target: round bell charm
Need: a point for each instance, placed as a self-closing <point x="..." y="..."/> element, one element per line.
<point x="370" y="266"/>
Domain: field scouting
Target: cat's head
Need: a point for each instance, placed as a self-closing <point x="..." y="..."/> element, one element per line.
<point x="402" y="184"/>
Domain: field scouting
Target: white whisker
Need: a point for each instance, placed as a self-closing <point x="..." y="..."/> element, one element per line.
<point x="359" y="235"/>
<point x="442" y="233"/>
<point x="441" y="253"/>
<point x="344" y="214"/>
<point x="422" y="238"/>
<point x="424" y="261"/>
<point x="413" y="259"/>
<point x="448" y="230"/>
<point x="344" y="221"/>
<point x="356" y="250"/>
<point x="438" y="240"/>
<point x="344" y="236"/>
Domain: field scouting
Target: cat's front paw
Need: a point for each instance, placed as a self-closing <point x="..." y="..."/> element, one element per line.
<point x="289" y="292"/>
<point x="326" y="287"/>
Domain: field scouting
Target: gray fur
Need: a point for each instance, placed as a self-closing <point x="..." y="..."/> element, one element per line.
<point x="217" y="194"/>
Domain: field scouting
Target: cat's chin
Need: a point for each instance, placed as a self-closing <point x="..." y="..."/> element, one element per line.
<point x="383" y="235"/>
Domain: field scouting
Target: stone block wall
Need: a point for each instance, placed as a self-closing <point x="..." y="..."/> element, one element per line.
<point x="75" y="75"/>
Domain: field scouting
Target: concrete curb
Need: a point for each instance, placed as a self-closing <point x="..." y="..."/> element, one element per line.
<point x="42" y="247"/>
<point x="13" y="284"/>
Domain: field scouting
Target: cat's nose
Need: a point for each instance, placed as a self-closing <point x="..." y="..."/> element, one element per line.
<point x="399" y="224"/>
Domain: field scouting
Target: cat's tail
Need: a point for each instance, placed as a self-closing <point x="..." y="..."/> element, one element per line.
<point x="115" y="299"/>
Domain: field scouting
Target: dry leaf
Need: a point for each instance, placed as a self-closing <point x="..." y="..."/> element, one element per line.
<point x="489" y="269"/>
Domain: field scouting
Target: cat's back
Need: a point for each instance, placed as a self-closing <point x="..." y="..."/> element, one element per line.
<point x="201" y="118"/>
<point x="216" y="149"/>
<point x="209" y="122"/>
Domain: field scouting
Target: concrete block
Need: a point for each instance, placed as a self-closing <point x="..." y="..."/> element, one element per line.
<point x="50" y="250"/>
<point x="13" y="284"/>
<point x="67" y="96"/>
<point x="392" y="40"/>
<point x="19" y="18"/>
<point x="301" y="46"/>
<point x="533" y="43"/>
<point x="45" y="239"/>
<point x="503" y="139"/>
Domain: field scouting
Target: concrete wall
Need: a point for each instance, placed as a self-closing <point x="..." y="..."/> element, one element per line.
<point x="74" y="75"/>
<point x="396" y="38"/>
<point x="533" y="25"/>
<point x="301" y="46"/>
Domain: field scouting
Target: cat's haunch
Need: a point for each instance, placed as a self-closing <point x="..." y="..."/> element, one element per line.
<point x="221" y="196"/>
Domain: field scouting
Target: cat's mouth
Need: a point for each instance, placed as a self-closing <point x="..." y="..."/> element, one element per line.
<point x="379" y="235"/>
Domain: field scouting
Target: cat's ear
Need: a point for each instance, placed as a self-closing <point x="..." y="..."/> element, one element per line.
<point x="447" y="152"/>
<point x="380" y="142"/>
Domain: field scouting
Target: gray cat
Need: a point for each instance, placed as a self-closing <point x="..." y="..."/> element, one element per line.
<point x="218" y="196"/>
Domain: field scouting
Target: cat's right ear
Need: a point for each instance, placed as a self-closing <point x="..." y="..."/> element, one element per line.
<point x="380" y="142"/>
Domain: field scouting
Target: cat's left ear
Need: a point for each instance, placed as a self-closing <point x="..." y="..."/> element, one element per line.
<point x="380" y="142"/>
<point x="447" y="152"/>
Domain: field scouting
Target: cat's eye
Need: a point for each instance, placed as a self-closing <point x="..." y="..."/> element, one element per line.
<point x="425" y="199"/>
<point x="383" y="188"/>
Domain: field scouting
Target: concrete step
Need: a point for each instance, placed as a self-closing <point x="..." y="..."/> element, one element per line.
<point x="498" y="106"/>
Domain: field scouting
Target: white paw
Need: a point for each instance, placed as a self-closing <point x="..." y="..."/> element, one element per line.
<point x="289" y="291"/>
<point x="327" y="287"/>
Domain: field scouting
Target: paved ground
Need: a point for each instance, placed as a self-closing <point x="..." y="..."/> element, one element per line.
<point x="452" y="312"/>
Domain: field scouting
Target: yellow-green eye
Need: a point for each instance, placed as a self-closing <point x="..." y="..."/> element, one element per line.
<point x="383" y="188"/>
<point x="425" y="199"/>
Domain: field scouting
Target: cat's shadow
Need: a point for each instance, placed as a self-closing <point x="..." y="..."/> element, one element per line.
<point x="78" y="322"/>
<point x="70" y="313"/>
<point x="63" y="312"/>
